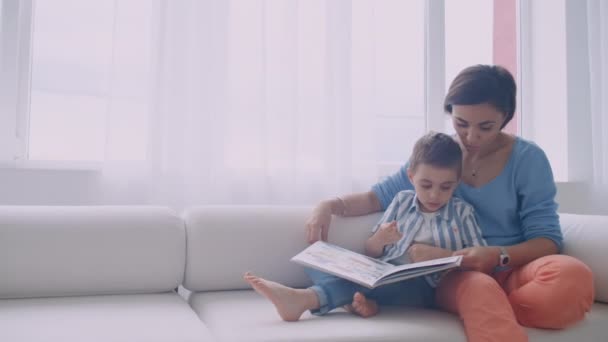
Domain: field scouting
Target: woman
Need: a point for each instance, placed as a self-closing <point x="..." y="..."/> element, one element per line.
<point x="510" y="183"/>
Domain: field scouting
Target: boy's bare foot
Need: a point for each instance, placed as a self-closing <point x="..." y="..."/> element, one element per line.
<point x="289" y="302"/>
<point x="362" y="306"/>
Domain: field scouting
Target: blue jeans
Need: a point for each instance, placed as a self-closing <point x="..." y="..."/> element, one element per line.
<point x="334" y="292"/>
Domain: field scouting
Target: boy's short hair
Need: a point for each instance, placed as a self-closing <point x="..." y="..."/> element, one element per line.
<point x="438" y="150"/>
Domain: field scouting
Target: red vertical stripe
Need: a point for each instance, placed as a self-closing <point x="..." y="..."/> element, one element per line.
<point x="504" y="51"/>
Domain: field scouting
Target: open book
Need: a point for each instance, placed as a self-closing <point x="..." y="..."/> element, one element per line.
<point x="364" y="270"/>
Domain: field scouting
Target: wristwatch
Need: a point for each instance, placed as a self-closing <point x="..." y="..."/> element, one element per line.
<point x="504" y="258"/>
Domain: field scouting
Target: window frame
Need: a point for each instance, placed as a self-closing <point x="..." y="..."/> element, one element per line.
<point x="17" y="28"/>
<point x="434" y="64"/>
<point x="15" y="78"/>
<point x="579" y="161"/>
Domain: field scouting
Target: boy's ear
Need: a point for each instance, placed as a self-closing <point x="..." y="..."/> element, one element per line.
<point x="410" y="174"/>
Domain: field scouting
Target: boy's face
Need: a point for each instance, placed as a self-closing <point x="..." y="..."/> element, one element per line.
<point x="434" y="185"/>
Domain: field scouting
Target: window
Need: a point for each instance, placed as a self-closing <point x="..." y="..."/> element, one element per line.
<point x="491" y="38"/>
<point x="71" y="72"/>
<point x="398" y="79"/>
<point x="78" y="75"/>
<point x="544" y="85"/>
<point x="73" y="90"/>
<point x="467" y="41"/>
<point x="76" y="56"/>
<point x="14" y="79"/>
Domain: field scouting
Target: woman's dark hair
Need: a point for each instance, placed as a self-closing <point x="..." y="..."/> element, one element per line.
<point x="438" y="150"/>
<point x="479" y="84"/>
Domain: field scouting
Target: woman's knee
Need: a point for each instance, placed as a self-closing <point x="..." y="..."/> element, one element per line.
<point x="566" y="276"/>
<point x="560" y="294"/>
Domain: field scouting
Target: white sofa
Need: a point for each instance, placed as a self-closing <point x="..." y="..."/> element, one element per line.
<point x="94" y="274"/>
<point x="109" y="274"/>
<point x="224" y="242"/>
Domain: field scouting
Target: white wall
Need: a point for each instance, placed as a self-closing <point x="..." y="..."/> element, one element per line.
<point x="48" y="187"/>
<point x="582" y="198"/>
<point x="60" y="187"/>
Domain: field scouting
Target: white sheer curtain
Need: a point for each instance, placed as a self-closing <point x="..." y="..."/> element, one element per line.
<point x="597" y="25"/>
<point x="245" y="102"/>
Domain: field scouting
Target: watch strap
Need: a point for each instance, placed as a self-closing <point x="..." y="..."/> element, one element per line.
<point x="504" y="257"/>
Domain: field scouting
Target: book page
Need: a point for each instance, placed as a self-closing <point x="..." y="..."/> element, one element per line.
<point x="340" y="261"/>
<point x="423" y="265"/>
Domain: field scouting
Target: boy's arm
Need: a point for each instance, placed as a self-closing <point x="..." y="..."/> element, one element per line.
<point x="374" y="246"/>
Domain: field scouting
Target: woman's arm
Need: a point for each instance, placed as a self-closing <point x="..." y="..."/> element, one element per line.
<point x="421" y="252"/>
<point x="539" y="222"/>
<point x="530" y="250"/>
<point x="362" y="203"/>
<point x="357" y="204"/>
<point x="485" y="259"/>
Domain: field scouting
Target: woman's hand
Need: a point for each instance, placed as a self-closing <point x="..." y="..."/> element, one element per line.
<point x="482" y="259"/>
<point x="318" y="222"/>
<point x="421" y="252"/>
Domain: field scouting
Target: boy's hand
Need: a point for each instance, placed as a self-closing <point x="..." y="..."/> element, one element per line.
<point x="388" y="233"/>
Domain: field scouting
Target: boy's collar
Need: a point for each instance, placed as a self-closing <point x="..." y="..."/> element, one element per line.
<point x="444" y="211"/>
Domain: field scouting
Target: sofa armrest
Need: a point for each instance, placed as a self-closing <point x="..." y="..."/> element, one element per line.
<point x="586" y="238"/>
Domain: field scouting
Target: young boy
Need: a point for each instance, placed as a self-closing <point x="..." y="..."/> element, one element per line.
<point x="428" y="215"/>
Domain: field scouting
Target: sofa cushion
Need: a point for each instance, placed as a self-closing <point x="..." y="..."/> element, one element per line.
<point x="129" y="318"/>
<point x="262" y="239"/>
<point x="586" y="238"/>
<point x="62" y="251"/>
<point x="235" y="316"/>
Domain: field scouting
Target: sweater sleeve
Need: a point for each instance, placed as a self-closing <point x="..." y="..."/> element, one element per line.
<point x="386" y="189"/>
<point x="536" y="191"/>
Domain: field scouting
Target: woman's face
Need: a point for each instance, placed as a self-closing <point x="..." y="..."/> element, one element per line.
<point x="477" y="125"/>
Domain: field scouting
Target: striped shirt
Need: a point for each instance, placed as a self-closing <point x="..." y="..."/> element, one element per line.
<point x="454" y="227"/>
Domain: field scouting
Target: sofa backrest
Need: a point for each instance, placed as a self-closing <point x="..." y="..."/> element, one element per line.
<point x="65" y="251"/>
<point x="586" y="238"/>
<point x="226" y="241"/>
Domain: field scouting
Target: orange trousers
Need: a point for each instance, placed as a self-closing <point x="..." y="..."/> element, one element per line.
<point x="551" y="292"/>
